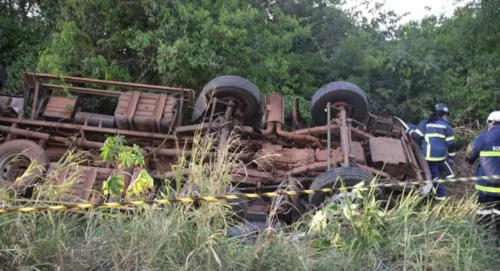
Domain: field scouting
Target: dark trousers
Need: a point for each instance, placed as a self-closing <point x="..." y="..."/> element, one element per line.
<point x="435" y="169"/>
<point x="445" y="170"/>
<point x="489" y="205"/>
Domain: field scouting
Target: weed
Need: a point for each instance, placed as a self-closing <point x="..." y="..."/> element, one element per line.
<point x="353" y="235"/>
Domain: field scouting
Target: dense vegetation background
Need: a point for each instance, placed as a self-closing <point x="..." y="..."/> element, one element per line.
<point x="289" y="46"/>
<point x="293" y="47"/>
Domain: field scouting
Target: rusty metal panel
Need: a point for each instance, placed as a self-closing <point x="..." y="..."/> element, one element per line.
<point x="143" y="119"/>
<point x="97" y="120"/>
<point x="274" y="107"/>
<point x="380" y="124"/>
<point x="335" y="154"/>
<point x="387" y="150"/>
<point x="76" y="183"/>
<point x="127" y="104"/>
<point x="358" y="153"/>
<point x="275" y="157"/>
<point x="145" y="112"/>
<point x="60" y="107"/>
<point x="169" y="111"/>
<point x="31" y="79"/>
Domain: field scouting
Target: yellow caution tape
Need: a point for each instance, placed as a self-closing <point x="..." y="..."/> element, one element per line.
<point x="81" y="206"/>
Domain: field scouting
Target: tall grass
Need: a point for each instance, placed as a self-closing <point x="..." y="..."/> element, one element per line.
<point x="410" y="236"/>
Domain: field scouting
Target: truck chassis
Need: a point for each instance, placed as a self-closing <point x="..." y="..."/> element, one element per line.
<point x="346" y="140"/>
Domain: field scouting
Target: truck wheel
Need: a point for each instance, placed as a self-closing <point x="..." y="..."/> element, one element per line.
<point x="336" y="92"/>
<point x="16" y="156"/>
<point x="239" y="206"/>
<point x="350" y="175"/>
<point x="244" y="93"/>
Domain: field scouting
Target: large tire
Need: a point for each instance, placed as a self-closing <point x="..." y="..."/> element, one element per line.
<point x="239" y="206"/>
<point x="246" y="94"/>
<point x="15" y="157"/>
<point x="350" y="176"/>
<point x="339" y="92"/>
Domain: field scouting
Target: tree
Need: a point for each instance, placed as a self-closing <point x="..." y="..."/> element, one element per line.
<point x="25" y="26"/>
<point x="292" y="47"/>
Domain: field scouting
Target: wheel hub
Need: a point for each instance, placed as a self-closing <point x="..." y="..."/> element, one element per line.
<point x="13" y="167"/>
<point x="338" y="105"/>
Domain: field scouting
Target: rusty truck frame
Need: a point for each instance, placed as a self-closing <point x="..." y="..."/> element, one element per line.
<point x="346" y="140"/>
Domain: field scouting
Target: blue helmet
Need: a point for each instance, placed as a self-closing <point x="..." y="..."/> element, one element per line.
<point x="442" y="109"/>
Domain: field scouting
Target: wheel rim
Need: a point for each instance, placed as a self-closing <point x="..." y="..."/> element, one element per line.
<point x="220" y="108"/>
<point x="13" y="166"/>
<point x="348" y="107"/>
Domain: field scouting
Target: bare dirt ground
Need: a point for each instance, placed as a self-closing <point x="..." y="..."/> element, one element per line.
<point x="462" y="169"/>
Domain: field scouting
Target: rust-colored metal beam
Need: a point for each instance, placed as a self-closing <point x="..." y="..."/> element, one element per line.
<point x="297" y="137"/>
<point x="329" y="134"/>
<point x="309" y="167"/>
<point x="318" y="130"/>
<point x="208" y="126"/>
<point x="238" y="171"/>
<point x="23" y="132"/>
<point x="411" y="156"/>
<point x="84" y="143"/>
<point x="269" y="129"/>
<point x="35" y="100"/>
<point x="295" y="114"/>
<point x="194" y="127"/>
<point x="112" y="130"/>
<point x="88" y="128"/>
<point x="335" y="128"/>
<point x="33" y="77"/>
<point x="101" y="92"/>
<point x="344" y="136"/>
<point x="224" y="133"/>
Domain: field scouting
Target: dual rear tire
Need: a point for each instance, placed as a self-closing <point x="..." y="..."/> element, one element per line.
<point x="242" y="92"/>
<point x="246" y="97"/>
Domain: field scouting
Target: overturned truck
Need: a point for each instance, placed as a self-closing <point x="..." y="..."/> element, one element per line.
<point x="346" y="140"/>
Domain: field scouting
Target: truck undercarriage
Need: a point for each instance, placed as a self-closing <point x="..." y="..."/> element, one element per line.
<point x="347" y="141"/>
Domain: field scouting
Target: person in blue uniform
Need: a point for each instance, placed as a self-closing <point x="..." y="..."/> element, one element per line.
<point x="486" y="148"/>
<point x="437" y="140"/>
<point x="445" y="169"/>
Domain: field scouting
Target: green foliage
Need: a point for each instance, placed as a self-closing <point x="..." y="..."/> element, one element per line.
<point x="112" y="147"/>
<point x="413" y="235"/>
<point x="124" y="157"/>
<point x="351" y="235"/>
<point x="409" y="237"/>
<point x="441" y="60"/>
<point x="113" y="185"/>
<point x="140" y="184"/>
<point x="25" y="26"/>
<point x="292" y="47"/>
